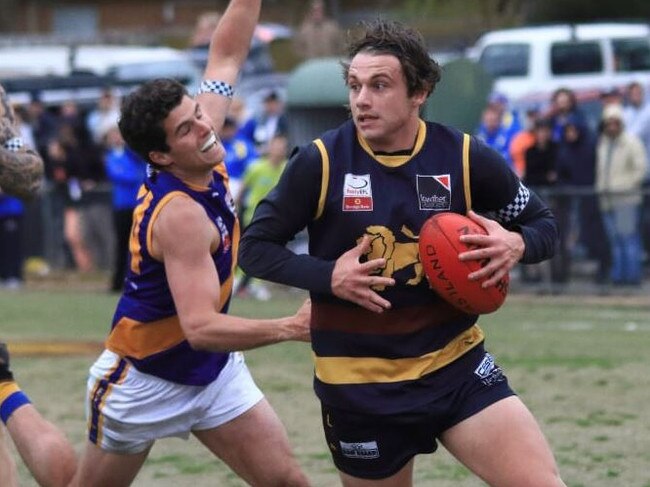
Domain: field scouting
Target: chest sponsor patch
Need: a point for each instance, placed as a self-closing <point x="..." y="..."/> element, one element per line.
<point x="434" y="192"/>
<point x="357" y="193"/>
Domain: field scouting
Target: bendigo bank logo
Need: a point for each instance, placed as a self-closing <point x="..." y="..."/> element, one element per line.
<point x="399" y="255"/>
<point x="357" y="193"/>
<point x="434" y="192"/>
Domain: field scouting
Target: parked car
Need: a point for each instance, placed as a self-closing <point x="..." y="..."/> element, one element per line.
<point x="79" y="72"/>
<point x="533" y="61"/>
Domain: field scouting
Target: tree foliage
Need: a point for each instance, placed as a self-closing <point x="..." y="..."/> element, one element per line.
<point x="589" y="10"/>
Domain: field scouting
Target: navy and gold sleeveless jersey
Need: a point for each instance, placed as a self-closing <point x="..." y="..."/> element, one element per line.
<point x="387" y="362"/>
<point x="340" y="190"/>
<point x="146" y="329"/>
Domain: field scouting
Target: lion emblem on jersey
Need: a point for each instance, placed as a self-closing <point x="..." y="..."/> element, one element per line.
<point x="398" y="255"/>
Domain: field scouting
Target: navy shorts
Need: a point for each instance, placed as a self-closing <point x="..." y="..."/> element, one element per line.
<point x="378" y="446"/>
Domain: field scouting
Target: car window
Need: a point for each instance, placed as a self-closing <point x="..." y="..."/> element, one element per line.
<point x="632" y="54"/>
<point x="506" y="59"/>
<point x="576" y="58"/>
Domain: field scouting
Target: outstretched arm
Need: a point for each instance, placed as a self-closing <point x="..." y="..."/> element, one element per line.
<point x="228" y="50"/>
<point x="183" y="237"/>
<point x="21" y="170"/>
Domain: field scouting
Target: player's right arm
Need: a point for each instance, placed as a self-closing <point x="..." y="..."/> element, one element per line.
<point x="285" y="211"/>
<point x="21" y="170"/>
<point x="183" y="237"/>
<point x="229" y="47"/>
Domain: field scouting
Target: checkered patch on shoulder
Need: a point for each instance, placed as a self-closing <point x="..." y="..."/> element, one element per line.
<point x="14" y="145"/>
<point x="217" y="87"/>
<point x="515" y="207"/>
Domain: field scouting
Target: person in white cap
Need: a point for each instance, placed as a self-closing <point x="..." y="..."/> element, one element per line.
<point x="620" y="170"/>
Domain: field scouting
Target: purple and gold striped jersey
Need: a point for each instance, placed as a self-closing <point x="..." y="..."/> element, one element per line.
<point x="146" y="329"/>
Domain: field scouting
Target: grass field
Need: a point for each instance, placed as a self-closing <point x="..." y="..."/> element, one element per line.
<point x="580" y="364"/>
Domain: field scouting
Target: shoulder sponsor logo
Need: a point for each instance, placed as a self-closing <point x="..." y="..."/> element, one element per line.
<point x="364" y="450"/>
<point x="434" y="192"/>
<point x="357" y="193"/>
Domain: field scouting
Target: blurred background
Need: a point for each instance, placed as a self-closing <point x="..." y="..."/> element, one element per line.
<point x="516" y="73"/>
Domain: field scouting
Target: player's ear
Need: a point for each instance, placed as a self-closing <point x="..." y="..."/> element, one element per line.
<point x="419" y="97"/>
<point x="160" y="158"/>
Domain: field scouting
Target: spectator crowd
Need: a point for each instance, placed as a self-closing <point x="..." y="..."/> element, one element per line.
<point x="594" y="176"/>
<point x="93" y="178"/>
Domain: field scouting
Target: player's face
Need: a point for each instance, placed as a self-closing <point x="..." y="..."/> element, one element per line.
<point x="383" y="112"/>
<point x="194" y="145"/>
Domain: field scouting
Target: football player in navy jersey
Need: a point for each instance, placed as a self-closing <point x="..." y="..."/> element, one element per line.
<point x="397" y="369"/>
<point x="172" y="365"/>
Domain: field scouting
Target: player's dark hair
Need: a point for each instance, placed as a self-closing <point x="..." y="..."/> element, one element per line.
<point x="143" y="113"/>
<point x="390" y="37"/>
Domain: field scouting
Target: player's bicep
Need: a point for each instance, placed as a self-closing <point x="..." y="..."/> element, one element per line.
<point x="494" y="186"/>
<point x="184" y="237"/>
<point x="498" y="193"/>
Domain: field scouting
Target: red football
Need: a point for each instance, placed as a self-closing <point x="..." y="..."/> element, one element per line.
<point x="440" y="245"/>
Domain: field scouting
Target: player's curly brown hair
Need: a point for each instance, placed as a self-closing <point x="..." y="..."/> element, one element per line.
<point x="380" y="36"/>
<point x="143" y="113"/>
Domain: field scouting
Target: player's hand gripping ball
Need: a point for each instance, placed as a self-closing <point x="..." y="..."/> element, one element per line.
<point x="440" y="245"/>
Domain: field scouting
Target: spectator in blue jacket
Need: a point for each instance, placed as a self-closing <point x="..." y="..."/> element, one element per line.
<point x="240" y="152"/>
<point x="11" y="248"/>
<point x="126" y="171"/>
<point x="494" y="133"/>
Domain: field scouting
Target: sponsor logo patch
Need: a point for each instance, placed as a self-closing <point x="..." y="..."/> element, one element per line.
<point x="363" y="450"/>
<point x="225" y="234"/>
<point x="357" y="193"/>
<point x="488" y="371"/>
<point x="434" y="192"/>
<point x="485" y="367"/>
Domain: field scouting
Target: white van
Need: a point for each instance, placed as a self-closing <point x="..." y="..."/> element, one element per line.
<point x="531" y="62"/>
<point x="60" y="72"/>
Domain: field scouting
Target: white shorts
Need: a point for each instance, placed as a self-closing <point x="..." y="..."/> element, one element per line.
<point x="128" y="410"/>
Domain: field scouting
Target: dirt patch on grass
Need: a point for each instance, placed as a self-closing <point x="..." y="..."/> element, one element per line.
<point x="53" y="348"/>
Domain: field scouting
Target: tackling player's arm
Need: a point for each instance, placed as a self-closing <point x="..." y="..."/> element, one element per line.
<point x="229" y="47"/>
<point x="183" y="237"/>
<point x="21" y="170"/>
<point x="523" y="228"/>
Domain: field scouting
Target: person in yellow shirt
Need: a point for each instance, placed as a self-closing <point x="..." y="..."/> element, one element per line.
<point x="260" y="178"/>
